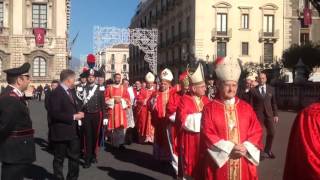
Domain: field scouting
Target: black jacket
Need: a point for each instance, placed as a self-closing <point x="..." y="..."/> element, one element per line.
<point x="265" y="107"/>
<point x="15" y="117"/>
<point x="61" y="111"/>
<point x="96" y="102"/>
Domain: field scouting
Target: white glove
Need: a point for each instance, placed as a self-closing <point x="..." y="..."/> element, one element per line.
<point x="79" y="123"/>
<point x="105" y="122"/>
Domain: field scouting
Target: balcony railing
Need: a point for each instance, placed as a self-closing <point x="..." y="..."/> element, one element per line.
<point x="269" y="36"/>
<point x="221" y="35"/>
<point x="268" y="59"/>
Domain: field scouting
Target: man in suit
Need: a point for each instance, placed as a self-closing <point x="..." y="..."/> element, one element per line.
<point x="65" y="115"/>
<point x="264" y="103"/>
<point x="17" y="148"/>
<point x="48" y="93"/>
<point x="244" y="93"/>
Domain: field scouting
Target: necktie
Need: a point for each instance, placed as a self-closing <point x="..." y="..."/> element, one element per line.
<point x="263" y="91"/>
<point x="70" y="95"/>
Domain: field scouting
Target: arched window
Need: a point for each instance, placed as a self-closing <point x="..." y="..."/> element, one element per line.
<point x="0" y="66"/>
<point x="39" y="67"/>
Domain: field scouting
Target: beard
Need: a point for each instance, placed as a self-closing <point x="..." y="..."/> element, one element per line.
<point x="117" y="82"/>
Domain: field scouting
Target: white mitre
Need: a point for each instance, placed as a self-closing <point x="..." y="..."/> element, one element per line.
<point x="227" y="69"/>
<point x="150" y="77"/>
<point x="198" y="76"/>
<point x="166" y="75"/>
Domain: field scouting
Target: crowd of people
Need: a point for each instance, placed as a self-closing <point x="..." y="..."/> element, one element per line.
<point x="206" y="128"/>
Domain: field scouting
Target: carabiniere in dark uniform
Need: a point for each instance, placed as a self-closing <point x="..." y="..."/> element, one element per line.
<point x="94" y="109"/>
<point x="17" y="147"/>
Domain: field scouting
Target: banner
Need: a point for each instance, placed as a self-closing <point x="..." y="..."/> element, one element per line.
<point x="39" y="34"/>
<point x="307" y="17"/>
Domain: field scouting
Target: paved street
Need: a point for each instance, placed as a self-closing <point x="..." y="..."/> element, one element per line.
<point x="137" y="162"/>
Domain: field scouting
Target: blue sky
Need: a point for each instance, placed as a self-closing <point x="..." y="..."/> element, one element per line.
<point x="87" y="13"/>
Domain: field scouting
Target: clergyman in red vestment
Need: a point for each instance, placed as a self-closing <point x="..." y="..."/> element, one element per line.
<point x="157" y="105"/>
<point x="172" y="106"/>
<point x="144" y="127"/>
<point x="231" y="135"/>
<point x="117" y="100"/>
<point x="189" y="114"/>
<point x="303" y="153"/>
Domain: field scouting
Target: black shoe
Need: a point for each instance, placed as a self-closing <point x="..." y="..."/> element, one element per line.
<point x="94" y="161"/>
<point x="122" y="148"/>
<point x="86" y="165"/>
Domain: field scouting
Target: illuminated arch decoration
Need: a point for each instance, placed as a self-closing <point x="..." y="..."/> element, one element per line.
<point x="145" y="39"/>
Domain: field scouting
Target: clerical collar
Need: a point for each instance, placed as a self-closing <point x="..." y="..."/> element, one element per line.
<point x="17" y="91"/>
<point x="230" y="101"/>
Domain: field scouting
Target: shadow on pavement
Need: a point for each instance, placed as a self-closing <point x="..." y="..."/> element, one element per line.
<point x="35" y="172"/>
<point x="141" y="159"/>
<point x="117" y="174"/>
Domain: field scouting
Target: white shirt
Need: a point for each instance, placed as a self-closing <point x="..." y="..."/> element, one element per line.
<point x="264" y="87"/>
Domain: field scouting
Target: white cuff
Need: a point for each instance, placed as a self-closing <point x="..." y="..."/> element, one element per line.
<point x="105" y="122"/>
<point x="172" y="118"/>
<point x="253" y="154"/>
<point x="220" y="152"/>
<point x="193" y="122"/>
<point x="110" y="103"/>
<point x="124" y="104"/>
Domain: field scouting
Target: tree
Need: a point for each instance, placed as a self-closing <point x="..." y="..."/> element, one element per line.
<point x="309" y="54"/>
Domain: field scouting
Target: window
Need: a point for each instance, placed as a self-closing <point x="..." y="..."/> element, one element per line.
<point x="39" y="15"/>
<point x="0" y="66"/>
<point x="39" y="67"/>
<point x="304" y="38"/>
<point x="221" y="49"/>
<point x="167" y="36"/>
<point x="124" y="67"/>
<point x="172" y="32"/>
<point x="268" y="52"/>
<point x="268" y="25"/>
<point x="222" y="23"/>
<point x="245" y="48"/>
<point x="124" y="58"/>
<point x="245" y="21"/>
<point x="188" y="24"/>
<point x="179" y="28"/>
<point x="112" y="59"/>
<point x="1" y="14"/>
<point x="112" y="67"/>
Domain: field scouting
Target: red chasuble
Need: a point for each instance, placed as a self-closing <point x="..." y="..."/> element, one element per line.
<point x="157" y="105"/>
<point x="144" y="126"/>
<point x="116" y="111"/>
<point x="189" y="140"/>
<point x="235" y="123"/>
<point x="303" y="153"/>
<point x="172" y="106"/>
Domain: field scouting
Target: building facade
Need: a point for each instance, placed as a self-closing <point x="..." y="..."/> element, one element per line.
<point x="297" y="30"/>
<point x="191" y="30"/>
<point x="116" y="60"/>
<point x="22" y="23"/>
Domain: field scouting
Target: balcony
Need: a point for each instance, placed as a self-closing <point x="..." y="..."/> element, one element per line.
<point x="184" y="36"/>
<point x="269" y="36"/>
<point x="178" y="2"/>
<point x="221" y="35"/>
<point x="268" y="59"/>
